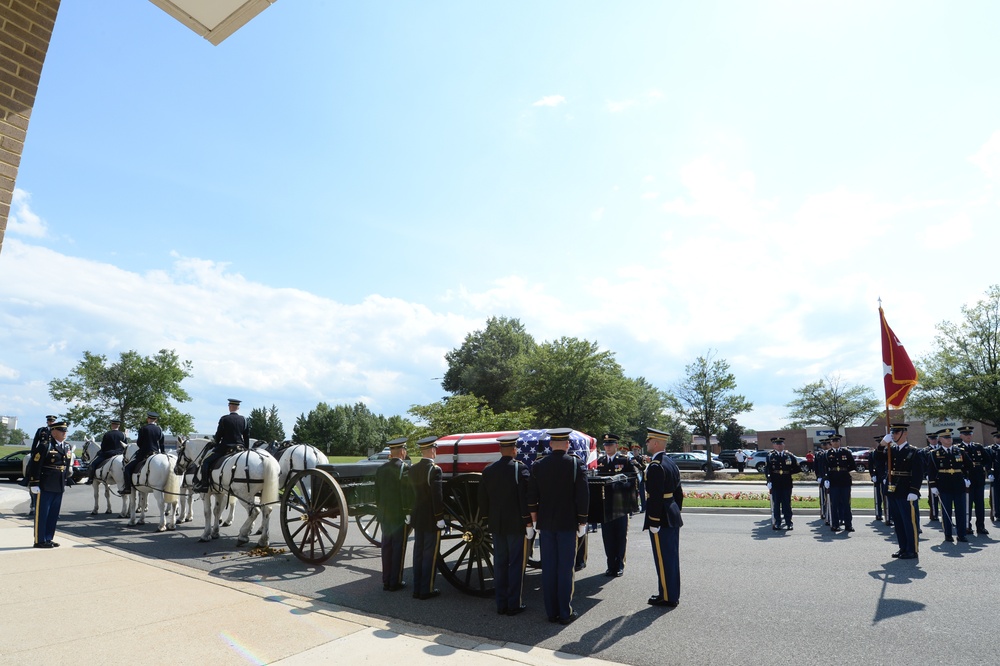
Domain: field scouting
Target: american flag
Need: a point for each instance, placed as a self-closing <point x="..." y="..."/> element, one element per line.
<point x="472" y="452"/>
<point x="532" y="442"/>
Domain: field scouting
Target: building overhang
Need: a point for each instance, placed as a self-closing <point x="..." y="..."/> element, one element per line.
<point x="215" y="20"/>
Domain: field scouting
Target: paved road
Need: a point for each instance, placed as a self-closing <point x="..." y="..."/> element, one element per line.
<point x="750" y="595"/>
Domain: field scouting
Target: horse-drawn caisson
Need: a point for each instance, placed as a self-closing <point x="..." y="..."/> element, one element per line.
<point x="317" y="503"/>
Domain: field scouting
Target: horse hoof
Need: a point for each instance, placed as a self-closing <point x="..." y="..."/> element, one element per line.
<point x="240" y="542"/>
<point x="215" y="536"/>
<point x="161" y="529"/>
<point x="171" y="528"/>
<point x="204" y="539"/>
<point x="108" y="511"/>
<point x="93" y="513"/>
<point x="227" y="524"/>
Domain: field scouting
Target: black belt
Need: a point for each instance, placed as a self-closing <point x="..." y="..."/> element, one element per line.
<point x="841" y="469"/>
<point x="899" y="473"/>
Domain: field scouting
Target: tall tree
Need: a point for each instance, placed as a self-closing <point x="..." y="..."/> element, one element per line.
<point x="651" y="411"/>
<point x="960" y="378"/>
<point x="731" y="436"/>
<point x="489" y="363"/>
<point x="126" y="390"/>
<point x="571" y="383"/>
<point x="706" y="398"/>
<point x="832" y="403"/>
<point x="265" y="425"/>
<point x="17" y="437"/>
<point x="467" y="413"/>
<point x="347" y="429"/>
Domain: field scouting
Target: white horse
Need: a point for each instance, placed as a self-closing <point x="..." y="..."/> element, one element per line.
<point x="111" y="471"/>
<point x="155" y="475"/>
<point x="190" y="454"/>
<point x="252" y="477"/>
<point x="298" y="457"/>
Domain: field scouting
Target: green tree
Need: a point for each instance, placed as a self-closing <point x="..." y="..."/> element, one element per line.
<point x="77" y="436"/>
<point x="346" y="429"/>
<point x="960" y="378"/>
<point x="16" y="437"/>
<point x="466" y="413"/>
<point x="706" y="398"/>
<point x="571" y="383"/>
<point x="730" y="437"/>
<point x="831" y="403"/>
<point x="489" y="363"/>
<point x="126" y="390"/>
<point x="651" y="411"/>
<point x="265" y="425"/>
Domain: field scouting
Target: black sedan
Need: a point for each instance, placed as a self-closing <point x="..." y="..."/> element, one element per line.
<point x="12" y="464"/>
<point x="688" y="461"/>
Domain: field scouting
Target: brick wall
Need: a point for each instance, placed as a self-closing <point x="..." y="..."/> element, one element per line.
<point x="25" y="30"/>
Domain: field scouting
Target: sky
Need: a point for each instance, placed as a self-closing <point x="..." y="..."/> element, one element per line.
<point x="322" y="206"/>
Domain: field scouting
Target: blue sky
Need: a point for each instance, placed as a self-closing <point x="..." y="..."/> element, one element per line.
<point x="323" y="205"/>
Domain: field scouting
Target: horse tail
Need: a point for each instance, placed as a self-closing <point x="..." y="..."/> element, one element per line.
<point x="172" y="486"/>
<point x="269" y="491"/>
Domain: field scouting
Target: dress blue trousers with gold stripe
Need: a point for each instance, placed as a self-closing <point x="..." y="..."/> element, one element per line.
<point x="666" y="559"/>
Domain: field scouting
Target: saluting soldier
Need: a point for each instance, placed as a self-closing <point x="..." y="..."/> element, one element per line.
<point x="879" y="481"/>
<point x="839" y="465"/>
<point x="150" y="442"/>
<point x="503" y="498"/>
<point x="663" y="519"/>
<point x="50" y="470"/>
<point x="615" y="532"/>
<point x="820" y="464"/>
<point x="778" y="469"/>
<point x="906" y="475"/>
<point x="231" y="435"/>
<point x="426" y="518"/>
<point x="559" y="502"/>
<point x="979" y="462"/>
<point x="948" y="478"/>
<point x="112" y="444"/>
<point x="995" y="464"/>
<point x="391" y="498"/>
<point x="933" y="443"/>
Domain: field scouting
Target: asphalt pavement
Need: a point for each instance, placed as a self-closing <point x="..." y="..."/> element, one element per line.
<point x="750" y="595"/>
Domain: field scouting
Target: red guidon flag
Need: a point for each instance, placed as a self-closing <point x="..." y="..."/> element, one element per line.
<point x="900" y="375"/>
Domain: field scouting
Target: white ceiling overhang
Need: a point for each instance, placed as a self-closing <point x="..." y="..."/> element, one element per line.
<point x="214" y="19"/>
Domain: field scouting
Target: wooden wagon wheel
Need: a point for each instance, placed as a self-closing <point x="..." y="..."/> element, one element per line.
<point x="369" y="526"/>
<point x="313" y="516"/>
<point x="466" y="551"/>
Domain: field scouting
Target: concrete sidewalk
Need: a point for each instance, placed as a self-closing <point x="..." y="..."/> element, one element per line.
<point x="87" y="603"/>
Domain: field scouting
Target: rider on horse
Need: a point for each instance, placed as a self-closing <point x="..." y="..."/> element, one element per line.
<point x="112" y="444"/>
<point x="231" y="435"/>
<point x="150" y="442"/>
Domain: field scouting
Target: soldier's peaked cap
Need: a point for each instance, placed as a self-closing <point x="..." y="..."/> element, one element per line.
<point x="835" y="438"/>
<point x="427" y="442"/>
<point x="396" y="443"/>
<point x="60" y="425"/>
<point x="778" y="440"/>
<point x="558" y="434"/>
<point x="152" y="415"/>
<point x="653" y="433"/>
<point x="611" y="438"/>
<point x="51" y="417"/>
<point x="944" y="432"/>
<point x="966" y="430"/>
<point x="899" y="426"/>
<point x="115" y="422"/>
<point x="234" y="401"/>
<point x="508" y="440"/>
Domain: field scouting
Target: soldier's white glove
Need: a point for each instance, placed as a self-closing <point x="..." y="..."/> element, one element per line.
<point x="887" y="439"/>
<point x="582" y="531"/>
<point x="912" y="497"/>
<point x="935" y="491"/>
<point x="990" y="478"/>
<point x="873" y="479"/>
<point x="440" y="524"/>
<point x="968" y="483"/>
<point x="768" y="485"/>
<point x="34" y="490"/>
<point x="529" y="532"/>
<point x="826" y="484"/>
<point x="654" y="530"/>
<point x="406" y="519"/>
<point x="819" y="479"/>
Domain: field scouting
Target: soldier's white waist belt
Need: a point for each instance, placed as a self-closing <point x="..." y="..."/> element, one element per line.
<point x="60" y="468"/>
<point x="667" y="495"/>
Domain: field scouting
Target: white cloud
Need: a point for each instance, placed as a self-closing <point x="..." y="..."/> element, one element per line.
<point x="951" y="233"/>
<point x="22" y="220"/>
<point x="649" y="195"/>
<point x="598" y="214"/>
<point x="987" y="158"/>
<point x="619" y="106"/>
<point x="550" y="100"/>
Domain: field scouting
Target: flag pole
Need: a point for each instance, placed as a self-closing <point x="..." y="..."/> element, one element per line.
<point x="888" y="466"/>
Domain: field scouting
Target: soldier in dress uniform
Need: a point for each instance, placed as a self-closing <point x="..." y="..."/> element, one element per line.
<point x="50" y="470"/>
<point x="503" y="499"/>
<point x="934" y="501"/>
<point x="979" y="462"/>
<point x="113" y="443"/>
<point x="615" y="532"/>
<point x="995" y="464"/>
<point x="42" y="435"/>
<point x="906" y="475"/>
<point x="778" y="469"/>
<point x="640" y="461"/>
<point x="879" y="481"/>
<point x="150" y="442"/>
<point x="231" y="435"/>
<point x="663" y="519"/>
<point x="426" y="518"/>
<point x="839" y="465"/>
<point x="947" y="479"/>
<point x="391" y="499"/>
<point x="559" y="502"/>
<point x="820" y="464"/>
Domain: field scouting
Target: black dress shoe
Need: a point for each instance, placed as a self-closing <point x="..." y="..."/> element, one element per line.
<point x="54" y="544"/>
<point x="501" y="611"/>
<point x="898" y="554"/>
<point x="580" y="567"/>
<point x="849" y="529"/>
<point x="982" y="532"/>
<point x="553" y="619"/>
<point x="567" y="620"/>
<point x="909" y="556"/>
<point x="397" y="587"/>
<point x="789" y="528"/>
<point x="430" y="595"/>
<point x="775" y="527"/>
<point x="963" y="540"/>
<point x="609" y="573"/>
<point x="619" y="573"/>
<point x="43" y="544"/>
<point x="656" y="600"/>
<point x="949" y="539"/>
<point x="671" y="604"/>
<point x="516" y="611"/>
<point x="834" y="529"/>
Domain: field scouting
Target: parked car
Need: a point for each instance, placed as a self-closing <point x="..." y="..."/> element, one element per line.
<point x="692" y="461"/>
<point x="758" y="461"/>
<point x="728" y="457"/>
<point x="379" y="457"/>
<point x="862" y="458"/>
<point x="12" y="464"/>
